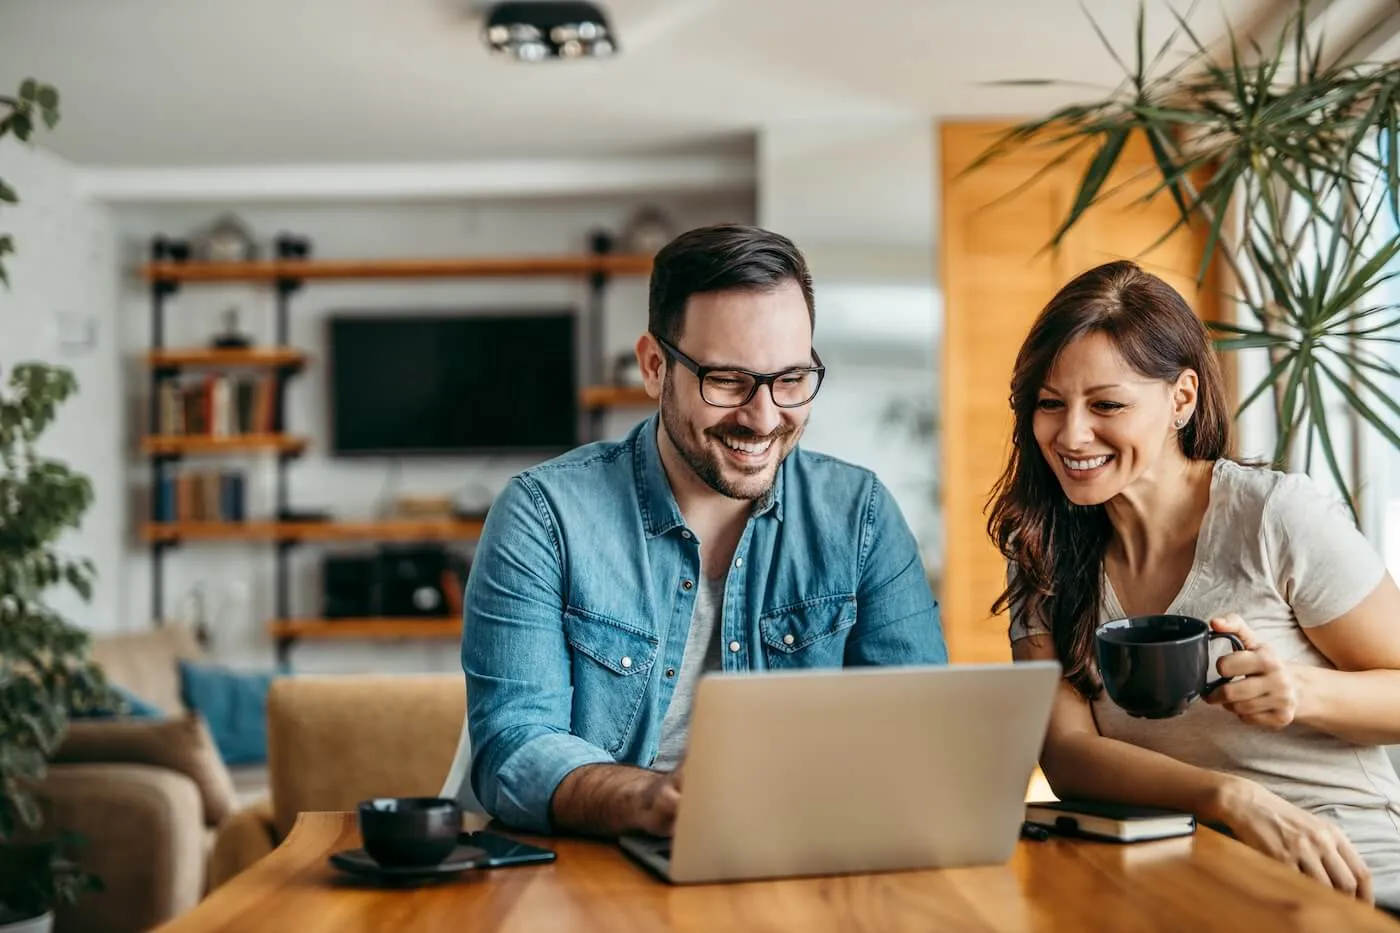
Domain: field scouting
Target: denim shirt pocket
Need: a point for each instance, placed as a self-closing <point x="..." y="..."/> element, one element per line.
<point x="808" y="634"/>
<point x="611" y="662"/>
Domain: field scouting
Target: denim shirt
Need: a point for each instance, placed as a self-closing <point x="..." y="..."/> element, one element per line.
<point x="581" y="592"/>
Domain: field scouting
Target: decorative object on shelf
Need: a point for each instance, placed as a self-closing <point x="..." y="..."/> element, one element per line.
<point x="291" y="246"/>
<point x="230" y="338"/>
<point x="46" y="673"/>
<point x="626" y="371"/>
<point x="227" y="239"/>
<point x="472" y="502"/>
<point x="303" y="515"/>
<point x="423" y="506"/>
<point x="536" y="30"/>
<point x="165" y="249"/>
<point x="193" y="613"/>
<point x="647" y="230"/>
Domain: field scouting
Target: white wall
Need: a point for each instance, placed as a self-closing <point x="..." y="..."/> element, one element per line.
<point x="238" y="579"/>
<point x="858" y="199"/>
<point x="60" y="308"/>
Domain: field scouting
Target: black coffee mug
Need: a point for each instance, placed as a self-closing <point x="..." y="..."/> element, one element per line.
<point x="409" y="831"/>
<point x="1154" y="666"/>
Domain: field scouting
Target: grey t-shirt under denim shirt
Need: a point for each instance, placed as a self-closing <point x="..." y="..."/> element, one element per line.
<point x="1286" y="558"/>
<point x="702" y="653"/>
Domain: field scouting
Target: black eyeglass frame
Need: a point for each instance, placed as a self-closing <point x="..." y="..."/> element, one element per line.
<point x="759" y="379"/>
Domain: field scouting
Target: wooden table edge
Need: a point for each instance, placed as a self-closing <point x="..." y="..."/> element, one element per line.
<point x="248" y="900"/>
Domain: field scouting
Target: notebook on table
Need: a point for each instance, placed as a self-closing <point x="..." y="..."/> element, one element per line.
<point x="1119" y="822"/>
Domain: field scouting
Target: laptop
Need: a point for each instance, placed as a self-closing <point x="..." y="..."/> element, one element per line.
<point x="822" y="772"/>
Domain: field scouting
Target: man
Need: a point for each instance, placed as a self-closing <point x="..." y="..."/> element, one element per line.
<point x="608" y="579"/>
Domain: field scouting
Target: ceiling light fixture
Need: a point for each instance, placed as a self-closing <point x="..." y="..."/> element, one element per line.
<point x="534" y="30"/>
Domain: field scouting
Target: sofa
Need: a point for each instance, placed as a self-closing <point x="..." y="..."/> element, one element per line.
<point x="147" y="797"/>
<point x="334" y="740"/>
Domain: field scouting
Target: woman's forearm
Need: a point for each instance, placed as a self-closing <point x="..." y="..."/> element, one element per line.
<point x="1085" y="765"/>
<point x="1359" y="706"/>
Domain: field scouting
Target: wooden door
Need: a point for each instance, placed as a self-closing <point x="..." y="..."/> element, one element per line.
<point x="997" y="274"/>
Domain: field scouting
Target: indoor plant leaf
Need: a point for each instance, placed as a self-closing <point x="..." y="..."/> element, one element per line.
<point x="45" y="671"/>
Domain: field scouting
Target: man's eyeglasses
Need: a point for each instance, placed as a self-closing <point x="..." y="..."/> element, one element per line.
<point x="734" y="388"/>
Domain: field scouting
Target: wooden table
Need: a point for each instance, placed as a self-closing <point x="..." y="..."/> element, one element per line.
<point x="1197" y="884"/>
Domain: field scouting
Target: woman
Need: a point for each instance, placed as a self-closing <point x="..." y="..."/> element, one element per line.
<point x="1118" y="501"/>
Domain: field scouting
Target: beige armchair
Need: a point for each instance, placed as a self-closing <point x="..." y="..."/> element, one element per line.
<point x="144" y="836"/>
<point x="144" y="796"/>
<point x="338" y="739"/>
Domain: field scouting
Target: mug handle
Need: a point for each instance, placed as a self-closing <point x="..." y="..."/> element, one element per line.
<point x="1236" y="645"/>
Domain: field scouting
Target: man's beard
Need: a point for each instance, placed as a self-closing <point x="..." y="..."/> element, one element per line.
<point x="706" y="463"/>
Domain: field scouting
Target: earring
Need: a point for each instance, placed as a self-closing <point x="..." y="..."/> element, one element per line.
<point x="1179" y="423"/>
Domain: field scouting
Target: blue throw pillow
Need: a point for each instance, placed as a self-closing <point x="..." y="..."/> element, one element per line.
<point x="234" y="704"/>
<point x="128" y="705"/>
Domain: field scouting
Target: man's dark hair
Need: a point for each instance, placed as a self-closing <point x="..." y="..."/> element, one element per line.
<point x="716" y="259"/>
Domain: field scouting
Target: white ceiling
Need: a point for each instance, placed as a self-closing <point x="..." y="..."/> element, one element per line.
<point x="212" y="82"/>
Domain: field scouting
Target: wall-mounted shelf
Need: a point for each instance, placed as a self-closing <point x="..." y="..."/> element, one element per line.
<point x="595" y="397"/>
<point x="253" y="357"/>
<point x="365" y="628"/>
<point x="183" y="445"/>
<point x="287" y="274"/>
<point x="391" y="530"/>
<point x="580" y="266"/>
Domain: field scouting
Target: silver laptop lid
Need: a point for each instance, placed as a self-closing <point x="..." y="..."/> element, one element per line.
<point x="859" y="769"/>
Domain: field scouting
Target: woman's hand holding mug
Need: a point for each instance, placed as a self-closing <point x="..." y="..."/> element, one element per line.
<point x="1268" y="692"/>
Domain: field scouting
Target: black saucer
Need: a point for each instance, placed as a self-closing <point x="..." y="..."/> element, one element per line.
<point x="358" y="862"/>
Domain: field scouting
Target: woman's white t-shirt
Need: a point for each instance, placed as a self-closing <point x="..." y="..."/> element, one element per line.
<point x="1274" y="549"/>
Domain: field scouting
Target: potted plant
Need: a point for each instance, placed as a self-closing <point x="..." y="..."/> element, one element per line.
<point x="1296" y="142"/>
<point x="45" y="673"/>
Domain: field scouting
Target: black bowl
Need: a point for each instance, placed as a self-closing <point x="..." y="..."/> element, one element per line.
<point x="409" y="831"/>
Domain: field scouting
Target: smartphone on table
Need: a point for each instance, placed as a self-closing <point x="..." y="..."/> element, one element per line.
<point x="504" y="852"/>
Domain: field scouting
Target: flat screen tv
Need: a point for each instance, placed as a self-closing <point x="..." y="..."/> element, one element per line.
<point x="452" y="384"/>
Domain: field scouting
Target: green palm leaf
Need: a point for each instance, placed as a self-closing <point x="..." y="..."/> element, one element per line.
<point x="1361" y="407"/>
<point x="1318" y="422"/>
<point x="1358" y="373"/>
<point x="1099" y="167"/>
<point x="1290" y="412"/>
<point x="1269" y="381"/>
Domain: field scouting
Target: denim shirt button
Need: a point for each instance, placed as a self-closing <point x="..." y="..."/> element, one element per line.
<point x="738" y="562"/>
<point x="734" y="646"/>
<point x="686" y="584"/>
<point x="670" y="672"/>
<point x="685" y="534"/>
<point x="626" y="662"/>
<point x="788" y="639"/>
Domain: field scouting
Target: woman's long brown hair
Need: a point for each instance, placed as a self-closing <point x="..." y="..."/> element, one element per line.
<point x="1054" y="548"/>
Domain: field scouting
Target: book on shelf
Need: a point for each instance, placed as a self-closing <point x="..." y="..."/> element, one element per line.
<point x="1119" y="822"/>
<point x="219" y="405"/>
<point x="201" y="496"/>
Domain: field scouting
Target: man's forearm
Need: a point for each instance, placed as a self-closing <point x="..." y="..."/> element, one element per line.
<point x="606" y="800"/>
